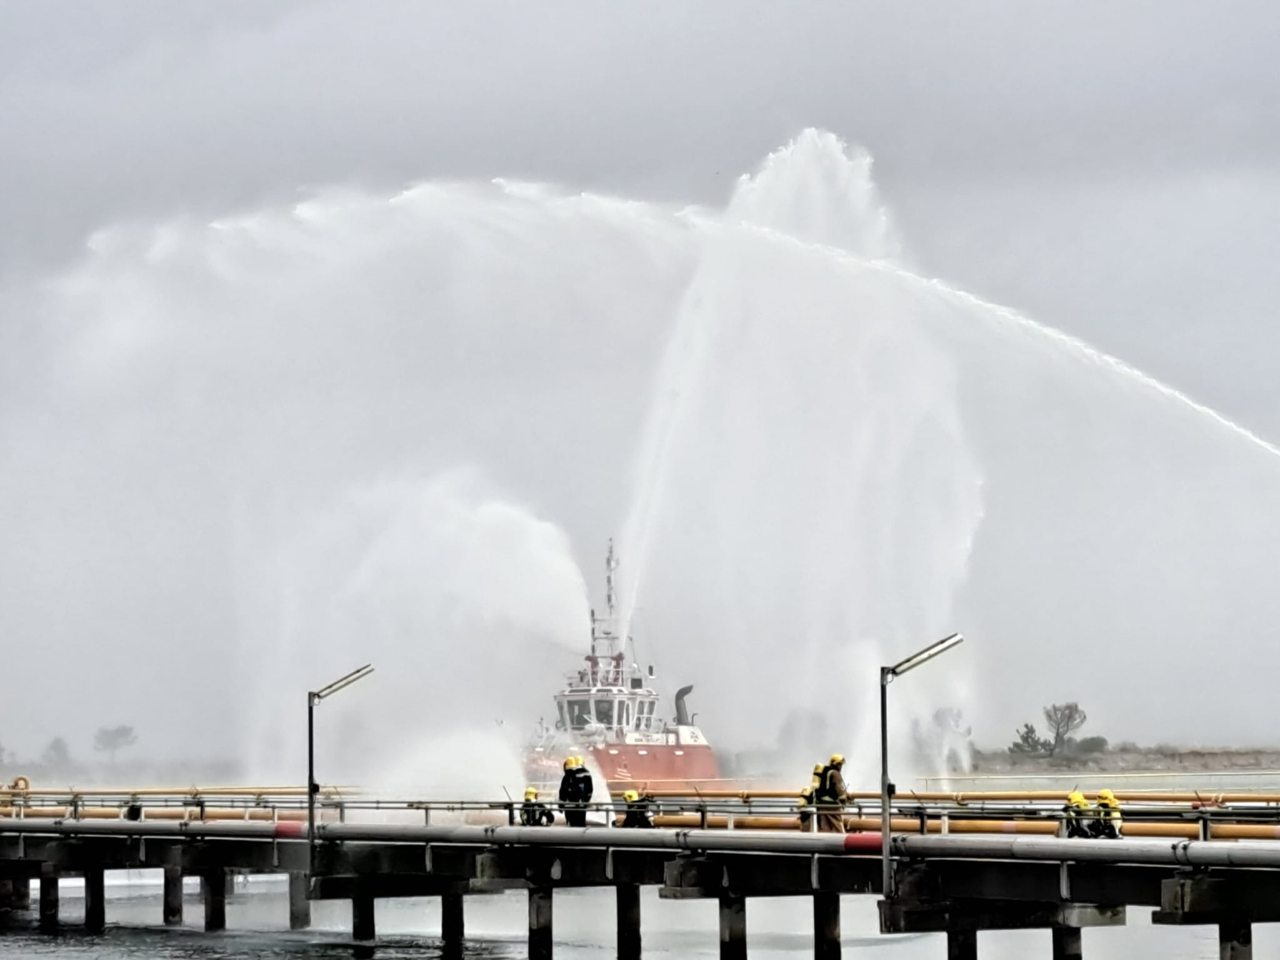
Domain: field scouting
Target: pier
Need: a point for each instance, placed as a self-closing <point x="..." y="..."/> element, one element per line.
<point x="958" y="868"/>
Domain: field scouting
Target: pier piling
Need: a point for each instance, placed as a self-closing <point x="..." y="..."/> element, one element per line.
<point x="362" y="919"/>
<point x="826" y="926"/>
<point x="962" y="945"/>
<point x="48" y="898"/>
<point x="173" y="896"/>
<point x="540" y="923"/>
<point x="1235" y="940"/>
<point x="733" y="928"/>
<point x="628" y="896"/>
<point x="214" y="889"/>
<point x="1067" y="943"/>
<point x="21" y="893"/>
<point x="95" y="907"/>
<point x="452" y="920"/>
<point x="299" y="905"/>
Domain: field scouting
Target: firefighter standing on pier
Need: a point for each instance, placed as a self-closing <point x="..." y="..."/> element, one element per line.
<point x="831" y="793"/>
<point x="576" y="790"/>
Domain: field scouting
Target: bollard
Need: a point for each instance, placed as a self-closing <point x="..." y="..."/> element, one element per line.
<point x="826" y="926"/>
<point x="628" y="899"/>
<point x="299" y="905"/>
<point x="540" y="923"/>
<point x="733" y="928"/>
<point x="95" y="912"/>
<point x="173" y="896"/>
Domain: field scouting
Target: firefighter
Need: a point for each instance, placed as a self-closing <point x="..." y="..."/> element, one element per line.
<point x="831" y="793"/>
<point x="637" y="810"/>
<point x="1108" y="822"/>
<point x="804" y="805"/>
<point x="574" y="814"/>
<point x="533" y="813"/>
<point x="1074" y="813"/>
<point x="583" y="786"/>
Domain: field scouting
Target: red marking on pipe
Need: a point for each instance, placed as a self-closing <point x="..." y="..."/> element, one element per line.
<point x="290" y="831"/>
<point x="862" y="843"/>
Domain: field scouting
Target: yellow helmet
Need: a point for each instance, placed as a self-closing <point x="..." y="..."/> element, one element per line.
<point x="1106" y="795"/>
<point x="568" y="763"/>
<point x="631" y="796"/>
<point x="817" y="768"/>
<point x="837" y="759"/>
<point x="1075" y="796"/>
<point x="530" y="793"/>
<point x="579" y="762"/>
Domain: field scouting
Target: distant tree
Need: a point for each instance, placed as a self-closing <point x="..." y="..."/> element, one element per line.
<point x="1092" y="745"/>
<point x="1029" y="743"/>
<point x="56" y="756"/>
<point x="110" y="739"/>
<point x="1063" y="719"/>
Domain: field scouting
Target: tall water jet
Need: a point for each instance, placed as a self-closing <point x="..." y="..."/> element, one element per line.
<point x="204" y="421"/>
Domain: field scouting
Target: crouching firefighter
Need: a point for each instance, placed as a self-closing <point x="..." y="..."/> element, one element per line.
<point x="1107" y="826"/>
<point x="638" y="810"/>
<point x="1076" y="816"/>
<point x="533" y="813"/>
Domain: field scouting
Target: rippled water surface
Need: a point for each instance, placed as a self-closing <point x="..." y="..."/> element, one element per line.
<point x="258" y="920"/>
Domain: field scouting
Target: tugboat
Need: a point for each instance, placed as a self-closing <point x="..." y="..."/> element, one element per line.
<point x="607" y="713"/>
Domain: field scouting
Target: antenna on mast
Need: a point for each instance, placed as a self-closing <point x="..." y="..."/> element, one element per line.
<point x="609" y="566"/>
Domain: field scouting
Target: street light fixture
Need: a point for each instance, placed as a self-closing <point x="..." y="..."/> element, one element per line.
<point x="313" y="788"/>
<point x="887" y="675"/>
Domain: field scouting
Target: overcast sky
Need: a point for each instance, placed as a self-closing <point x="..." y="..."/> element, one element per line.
<point x="1113" y="169"/>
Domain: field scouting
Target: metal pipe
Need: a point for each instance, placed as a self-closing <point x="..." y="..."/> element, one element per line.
<point x="1189" y="853"/>
<point x="886" y="814"/>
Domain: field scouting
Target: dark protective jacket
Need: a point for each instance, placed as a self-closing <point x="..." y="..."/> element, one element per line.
<point x="583" y="786"/>
<point x="638" y="815"/>
<point x="568" y="787"/>
<point x="535" y="814"/>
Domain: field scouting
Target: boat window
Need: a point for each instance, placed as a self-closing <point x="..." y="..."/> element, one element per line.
<point x="624" y="713"/>
<point x="564" y="716"/>
<point x="578" y="713"/>
<point x="604" y="712"/>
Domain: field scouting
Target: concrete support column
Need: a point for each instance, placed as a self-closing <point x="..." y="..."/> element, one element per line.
<point x="453" y="927"/>
<point x="299" y="905"/>
<point x="21" y="893"/>
<point x="173" y="896"/>
<point x="362" y="923"/>
<point x="1066" y="943"/>
<point x="95" y="900"/>
<point x="826" y="926"/>
<point x="48" y="899"/>
<point x="540" y="923"/>
<point x="6" y="893"/>
<point x="628" y="895"/>
<point x="1235" y="940"/>
<point x="733" y="928"/>
<point x="213" y="886"/>
<point x="962" y="945"/>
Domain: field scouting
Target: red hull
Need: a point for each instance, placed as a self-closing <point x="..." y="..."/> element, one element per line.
<point x="656" y="767"/>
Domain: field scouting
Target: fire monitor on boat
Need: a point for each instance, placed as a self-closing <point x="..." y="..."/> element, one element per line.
<point x="609" y="712"/>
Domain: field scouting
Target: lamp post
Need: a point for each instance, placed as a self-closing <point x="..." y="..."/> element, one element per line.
<point x="313" y="788"/>
<point x="887" y="675"/>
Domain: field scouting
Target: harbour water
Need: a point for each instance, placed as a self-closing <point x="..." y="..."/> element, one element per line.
<point x="257" y="923"/>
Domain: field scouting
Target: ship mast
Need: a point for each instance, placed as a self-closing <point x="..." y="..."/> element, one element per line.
<point x="604" y="637"/>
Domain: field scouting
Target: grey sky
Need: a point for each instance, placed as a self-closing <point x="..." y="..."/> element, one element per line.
<point x="1112" y="169"/>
